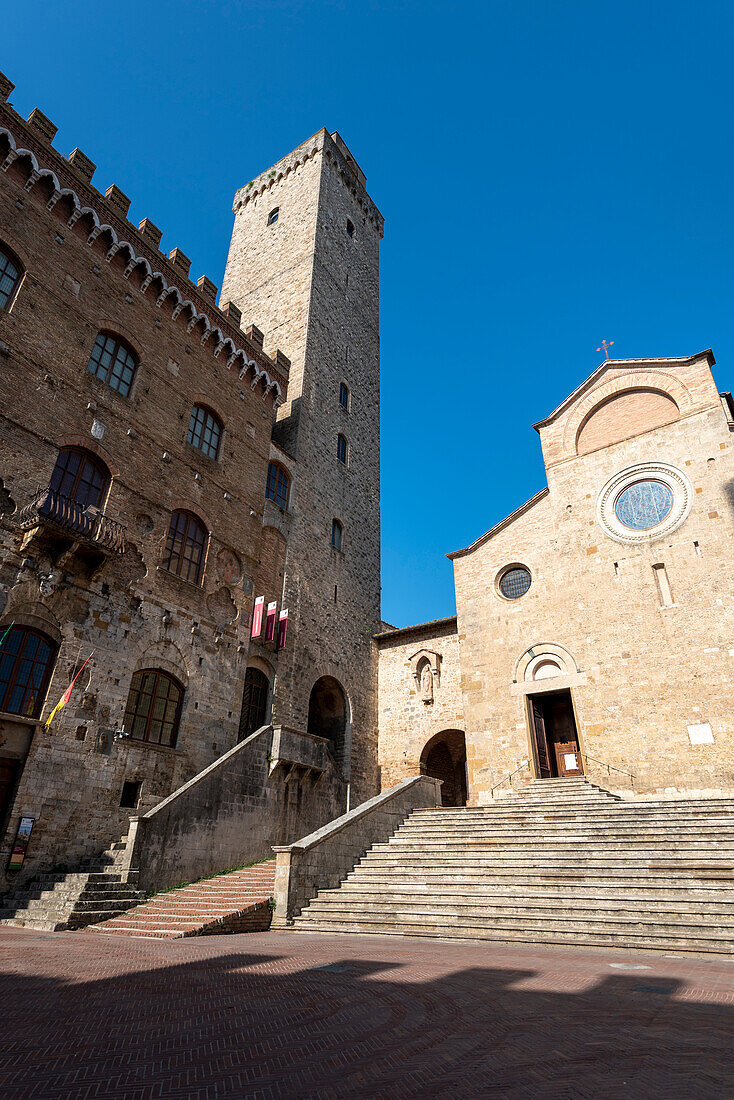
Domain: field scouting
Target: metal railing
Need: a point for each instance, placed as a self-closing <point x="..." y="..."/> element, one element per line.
<point x="610" y="767"/>
<point x="510" y="776"/>
<point x="49" y="506"/>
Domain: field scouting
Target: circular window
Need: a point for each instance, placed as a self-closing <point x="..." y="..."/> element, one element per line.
<point x="643" y="505"/>
<point x="643" y="502"/>
<point x="514" y="582"/>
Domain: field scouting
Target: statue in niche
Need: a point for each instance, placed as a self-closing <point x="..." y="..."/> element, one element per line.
<point x="426" y="683"/>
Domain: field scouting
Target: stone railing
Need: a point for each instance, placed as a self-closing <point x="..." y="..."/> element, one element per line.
<point x="232" y="812"/>
<point x="324" y="858"/>
<point x="50" y="507"/>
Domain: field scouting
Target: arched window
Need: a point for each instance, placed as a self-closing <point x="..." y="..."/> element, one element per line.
<point x="337" y="533"/>
<point x="278" y="485"/>
<point x="186" y="547"/>
<point x="10" y="274"/>
<point x="153" y="708"/>
<point x="341" y="448"/>
<point x="205" y="431"/>
<point x="254" y="702"/>
<point x="26" y="662"/>
<point x="114" y="362"/>
<point x="273" y="215"/>
<point x="344" y="395"/>
<point x="81" y="477"/>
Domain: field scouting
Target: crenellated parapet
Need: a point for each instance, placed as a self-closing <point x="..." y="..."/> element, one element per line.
<point x="64" y="187"/>
<point x="337" y="155"/>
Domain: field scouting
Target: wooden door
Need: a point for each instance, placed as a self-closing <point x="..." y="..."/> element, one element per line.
<point x="540" y="738"/>
<point x="568" y="758"/>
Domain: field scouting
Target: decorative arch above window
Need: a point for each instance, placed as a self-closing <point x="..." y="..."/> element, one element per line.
<point x="113" y="361"/>
<point x="205" y="431"/>
<point x="80" y="476"/>
<point x="153" y="709"/>
<point x="11" y="273"/>
<point x="278" y="485"/>
<point x="26" y="662"/>
<point x="186" y="544"/>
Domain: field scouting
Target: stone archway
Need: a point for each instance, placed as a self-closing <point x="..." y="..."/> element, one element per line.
<point x="444" y="757"/>
<point x="327" y="716"/>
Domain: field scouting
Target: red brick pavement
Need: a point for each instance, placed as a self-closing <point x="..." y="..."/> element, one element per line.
<point x="271" y="1015"/>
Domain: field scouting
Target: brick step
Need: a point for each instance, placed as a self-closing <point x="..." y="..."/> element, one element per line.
<point x="232" y="902"/>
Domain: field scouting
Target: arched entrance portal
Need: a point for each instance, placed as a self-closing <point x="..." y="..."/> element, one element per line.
<point x="327" y="716"/>
<point x="444" y="757"/>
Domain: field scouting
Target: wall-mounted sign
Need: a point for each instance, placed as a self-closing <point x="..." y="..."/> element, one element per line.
<point x="20" y="844"/>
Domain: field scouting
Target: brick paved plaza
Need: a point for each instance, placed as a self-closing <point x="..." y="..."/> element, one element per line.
<point x="287" y="1015"/>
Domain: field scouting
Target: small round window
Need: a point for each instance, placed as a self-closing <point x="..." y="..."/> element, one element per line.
<point x="643" y="505"/>
<point x="514" y="582"/>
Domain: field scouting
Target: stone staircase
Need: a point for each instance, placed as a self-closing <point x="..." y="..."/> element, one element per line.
<point x="563" y="862"/>
<point x="238" y="901"/>
<point x="59" y="901"/>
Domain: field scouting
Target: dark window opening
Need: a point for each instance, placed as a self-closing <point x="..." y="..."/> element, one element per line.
<point x="273" y="215"/>
<point x="26" y="662"/>
<point x="153" y="708"/>
<point x="327" y="716"/>
<point x="254" y="702"/>
<point x="337" y="532"/>
<point x="81" y="477"/>
<point x="10" y="272"/>
<point x="341" y="448"/>
<point x="278" y="485"/>
<point x="344" y="395"/>
<point x="205" y="431"/>
<point x="130" y="794"/>
<point x="113" y="362"/>
<point x="350" y="227"/>
<point x="185" y="547"/>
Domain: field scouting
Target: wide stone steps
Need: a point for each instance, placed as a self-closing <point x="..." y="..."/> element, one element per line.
<point x="234" y="902"/>
<point x="563" y="862"/>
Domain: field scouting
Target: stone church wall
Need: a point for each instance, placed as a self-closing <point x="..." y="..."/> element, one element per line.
<point x="407" y="721"/>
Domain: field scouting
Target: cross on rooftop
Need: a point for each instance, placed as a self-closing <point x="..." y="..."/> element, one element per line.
<point x="605" y="346"/>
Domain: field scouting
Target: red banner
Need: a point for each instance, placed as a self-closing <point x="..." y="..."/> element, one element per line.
<point x="270" y="621"/>
<point x="257" y="617"/>
<point x="282" y="627"/>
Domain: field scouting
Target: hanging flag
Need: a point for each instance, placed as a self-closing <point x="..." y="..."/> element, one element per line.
<point x="67" y="694"/>
<point x="270" y="621"/>
<point x="282" y="627"/>
<point x="257" y="617"/>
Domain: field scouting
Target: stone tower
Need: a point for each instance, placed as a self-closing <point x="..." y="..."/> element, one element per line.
<point x="303" y="265"/>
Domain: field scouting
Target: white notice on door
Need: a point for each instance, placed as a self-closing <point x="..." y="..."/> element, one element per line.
<point x="569" y="760"/>
<point x="701" y="734"/>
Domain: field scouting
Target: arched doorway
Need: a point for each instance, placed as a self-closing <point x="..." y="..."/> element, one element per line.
<point x="444" y="757"/>
<point x="327" y="716"/>
<point x="254" y="702"/>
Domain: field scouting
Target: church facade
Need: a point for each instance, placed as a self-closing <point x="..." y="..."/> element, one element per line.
<point x="595" y="625"/>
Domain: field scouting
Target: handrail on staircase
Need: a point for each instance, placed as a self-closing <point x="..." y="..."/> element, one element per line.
<point x="610" y="767"/>
<point x="510" y="776"/>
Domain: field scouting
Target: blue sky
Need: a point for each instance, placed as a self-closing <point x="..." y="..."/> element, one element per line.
<point x="551" y="174"/>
